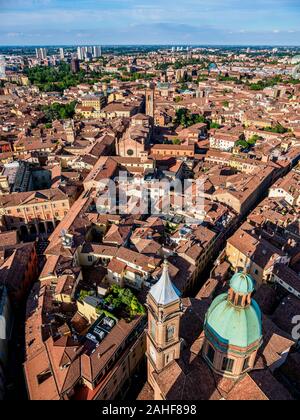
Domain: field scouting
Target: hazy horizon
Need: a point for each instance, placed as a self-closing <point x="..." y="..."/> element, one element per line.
<point x="192" y="45"/>
<point x="145" y="22"/>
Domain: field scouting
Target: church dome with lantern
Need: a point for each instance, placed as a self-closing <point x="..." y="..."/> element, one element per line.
<point x="233" y="328"/>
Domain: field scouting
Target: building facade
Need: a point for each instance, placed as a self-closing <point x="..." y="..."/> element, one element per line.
<point x="34" y="212"/>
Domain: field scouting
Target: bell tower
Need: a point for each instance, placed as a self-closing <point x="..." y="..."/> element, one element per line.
<point x="150" y="102"/>
<point x="70" y="131"/>
<point x="164" y="313"/>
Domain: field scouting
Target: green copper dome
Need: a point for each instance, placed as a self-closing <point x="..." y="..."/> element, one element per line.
<point x="232" y="325"/>
<point x="242" y="284"/>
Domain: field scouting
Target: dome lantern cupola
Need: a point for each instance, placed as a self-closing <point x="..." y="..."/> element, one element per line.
<point x="241" y="289"/>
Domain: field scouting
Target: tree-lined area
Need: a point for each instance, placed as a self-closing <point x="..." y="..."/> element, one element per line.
<point x="186" y="119"/>
<point x="54" y="79"/>
<point x="271" y="82"/>
<point x="57" y="111"/>
<point x="57" y="79"/>
<point x="277" y="129"/>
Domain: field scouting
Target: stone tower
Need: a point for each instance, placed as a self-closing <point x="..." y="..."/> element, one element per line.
<point x="70" y="131"/>
<point x="164" y="313"/>
<point x="150" y="102"/>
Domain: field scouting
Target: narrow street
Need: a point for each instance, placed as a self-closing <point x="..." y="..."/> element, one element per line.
<point x="16" y="387"/>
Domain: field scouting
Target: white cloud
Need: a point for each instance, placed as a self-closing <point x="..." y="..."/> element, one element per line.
<point x="89" y="16"/>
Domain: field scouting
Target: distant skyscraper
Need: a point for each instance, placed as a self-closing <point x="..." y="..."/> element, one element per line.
<point x="89" y="52"/>
<point x="41" y="53"/>
<point x="2" y="67"/>
<point x="80" y="53"/>
<point x="84" y="53"/>
<point x="53" y="60"/>
<point x="61" y="54"/>
<point x="97" y="51"/>
<point x="75" y="66"/>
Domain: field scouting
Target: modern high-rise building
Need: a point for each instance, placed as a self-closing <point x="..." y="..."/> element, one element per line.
<point x="61" y="54"/>
<point x="97" y="51"/>
<point x="41" y="53"/>
<point x="75" y="65"/>
<point x="89" y="52"/>
<point x="80" y="53"/>
<point x="2" y="67"/>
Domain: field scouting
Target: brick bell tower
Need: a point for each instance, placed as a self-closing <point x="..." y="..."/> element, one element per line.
<point x="150" y="102"/>
<point x="164" y="313"/>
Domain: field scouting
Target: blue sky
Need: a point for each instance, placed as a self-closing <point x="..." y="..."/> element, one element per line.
<point x="50" y="22"/>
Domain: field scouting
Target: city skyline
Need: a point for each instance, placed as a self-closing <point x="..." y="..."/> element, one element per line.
<point x="149" y="197"/>
<point x="267" y="22"/>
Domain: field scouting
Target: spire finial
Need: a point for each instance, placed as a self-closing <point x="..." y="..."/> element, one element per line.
<point x="166" y="263"/>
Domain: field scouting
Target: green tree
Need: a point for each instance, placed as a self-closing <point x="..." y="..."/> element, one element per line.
<point x="253" y="140"/>
<point x="58" y="78"/>
<point x="215" y="125"/>
<point x="186" y="119"/>
<point x="278" y="128"/>
<point x="242" y="143"/>
<point x="269" y="82"/>
<point x="57" y="111"/>
<point x="122" y="296"/>
<point x="227" y="78"/>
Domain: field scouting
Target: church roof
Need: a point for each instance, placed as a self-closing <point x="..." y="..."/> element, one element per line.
<point x="164" y="292"/>
<point x="180" y="379"/>
<point x="233" y="326"/>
